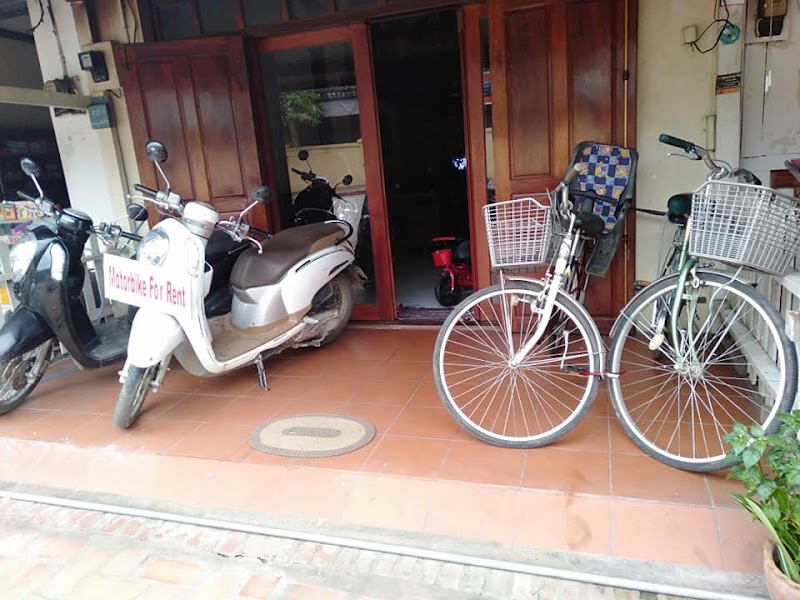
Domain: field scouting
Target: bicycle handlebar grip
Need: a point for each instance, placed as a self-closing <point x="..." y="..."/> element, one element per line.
<point x="144" y="189"/>
<point x="572" y="174"/>
<point x="297" y="171"/>
<point x="25" y="196"/>
<point x="677" y="142"/>
<point x="131" y="236"/>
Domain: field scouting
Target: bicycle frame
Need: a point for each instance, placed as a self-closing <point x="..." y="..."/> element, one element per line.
<point x="552" y="281"/>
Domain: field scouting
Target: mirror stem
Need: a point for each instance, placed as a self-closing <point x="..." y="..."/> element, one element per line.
<point x="160" y="170"/>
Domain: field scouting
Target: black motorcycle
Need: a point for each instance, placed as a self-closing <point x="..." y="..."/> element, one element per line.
<point x="48" y="280"/>
<point x="315" y="204"/>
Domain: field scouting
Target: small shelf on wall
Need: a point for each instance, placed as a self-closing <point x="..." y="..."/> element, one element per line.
<point x="781" y="178"/>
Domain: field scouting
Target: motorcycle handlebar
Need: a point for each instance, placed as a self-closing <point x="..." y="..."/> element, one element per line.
<point x="260" y="232"/>
<point x="131" y="236"/>
<point x="144" y="189"/>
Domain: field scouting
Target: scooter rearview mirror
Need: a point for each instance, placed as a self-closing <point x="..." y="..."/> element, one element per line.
<point x="347" y="180"/>
<point x="155" y="151"/>
<point x="302" y="155"/>
<point x="30" y="168"/>
<point x="137" y="212"/>
<point x="262" y="194"/>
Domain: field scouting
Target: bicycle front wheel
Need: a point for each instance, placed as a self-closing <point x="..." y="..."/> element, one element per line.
<point x="731" y="362"/>
<point x="517" y="406"/>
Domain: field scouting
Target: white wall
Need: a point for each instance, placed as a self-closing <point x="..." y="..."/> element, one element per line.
<point x="771" y="127"/>
<point x="89" y="157"/>
<point x="675" y="93"/>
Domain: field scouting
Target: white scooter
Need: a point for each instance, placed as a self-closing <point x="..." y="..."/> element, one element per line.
<point x="293" y="290"/>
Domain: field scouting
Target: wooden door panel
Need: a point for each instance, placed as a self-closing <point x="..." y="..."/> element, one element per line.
<point x="194" y="96"/>
<point x="559" y="77"/>
<point x="529" y="90"/>
<point x="590" y="68"/>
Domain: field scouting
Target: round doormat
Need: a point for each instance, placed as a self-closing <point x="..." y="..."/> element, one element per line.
<point x="312" y="435"/>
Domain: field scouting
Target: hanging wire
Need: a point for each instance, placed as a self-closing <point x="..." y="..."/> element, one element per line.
<point x="135" y="20"/>
<point x="41" y="17"/>
<point x="724" y="23"/>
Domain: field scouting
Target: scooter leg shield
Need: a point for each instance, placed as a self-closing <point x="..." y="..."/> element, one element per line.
<point x="154" y="335"/>
<point x="22" y="331"/>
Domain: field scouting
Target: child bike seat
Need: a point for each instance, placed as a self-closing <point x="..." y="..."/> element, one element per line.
<point x="604" y="187"/>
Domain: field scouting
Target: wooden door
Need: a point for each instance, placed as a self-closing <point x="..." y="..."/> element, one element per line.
<point x="194" y="96"/>
<point x="561" y="74"/>
<point x="334" y="63"/>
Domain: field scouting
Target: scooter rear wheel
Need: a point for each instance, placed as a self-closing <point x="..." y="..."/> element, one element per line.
<point x="132" y="395"/>
<point x="16" y="379"/>
<point x="341" y="300"/>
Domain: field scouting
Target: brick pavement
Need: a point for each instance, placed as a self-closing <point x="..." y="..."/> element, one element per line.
<point x="55" y="553"/>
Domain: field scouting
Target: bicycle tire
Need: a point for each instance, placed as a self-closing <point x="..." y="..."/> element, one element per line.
<point x="677" y="410"/>
<point x="553" y="388"/>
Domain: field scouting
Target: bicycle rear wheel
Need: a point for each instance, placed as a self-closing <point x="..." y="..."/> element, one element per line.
<point x="524" y="406"/>
<point x="738" y="366"/>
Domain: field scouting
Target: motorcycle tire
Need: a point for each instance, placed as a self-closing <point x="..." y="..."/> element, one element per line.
<point x="342" y="296"/>
<point x="132" y="395"/>
<point x="15" y="386"/>
<point x="445" y="295"/>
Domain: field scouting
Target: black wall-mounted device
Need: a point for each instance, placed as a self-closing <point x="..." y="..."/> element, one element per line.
<point x="95" y="62"/>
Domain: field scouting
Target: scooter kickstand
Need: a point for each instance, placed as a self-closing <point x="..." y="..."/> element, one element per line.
<point x="262" y="375"/>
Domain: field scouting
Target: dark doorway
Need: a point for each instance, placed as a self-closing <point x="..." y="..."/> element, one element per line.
<point x="417" y="69"/>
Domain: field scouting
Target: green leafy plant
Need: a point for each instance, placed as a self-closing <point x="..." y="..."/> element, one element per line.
<point x="769" y="469"/>
<point x="301" y="106"/>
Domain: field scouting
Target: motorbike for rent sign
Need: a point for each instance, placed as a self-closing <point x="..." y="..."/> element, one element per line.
<point x="144" y="285"/>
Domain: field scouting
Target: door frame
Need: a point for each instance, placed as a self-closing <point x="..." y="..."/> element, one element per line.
<point x="358" y="36"/>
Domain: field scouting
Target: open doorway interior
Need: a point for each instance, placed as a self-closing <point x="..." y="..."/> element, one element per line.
<point x="417" y="71"/>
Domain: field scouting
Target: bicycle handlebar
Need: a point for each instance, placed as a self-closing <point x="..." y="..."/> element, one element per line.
<point x="25" y="196"/>
<point x="677" y="142"/>
<point x="572" y="174"/>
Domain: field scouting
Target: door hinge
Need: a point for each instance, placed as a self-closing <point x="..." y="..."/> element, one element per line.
<point x="626" y="75"/>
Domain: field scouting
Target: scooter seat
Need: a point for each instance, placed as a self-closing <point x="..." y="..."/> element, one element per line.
<point x="281" y="252"/>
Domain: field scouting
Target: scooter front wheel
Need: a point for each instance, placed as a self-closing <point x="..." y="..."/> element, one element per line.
<point x="132" y="395"/>
<point x="19" y="375"/>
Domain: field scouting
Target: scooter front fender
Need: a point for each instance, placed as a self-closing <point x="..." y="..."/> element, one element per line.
<point x="154" y="335"/>
<point x="22" y="331"/>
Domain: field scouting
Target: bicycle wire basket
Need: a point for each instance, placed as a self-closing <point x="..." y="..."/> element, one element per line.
<point x="518" y="231"/>
<point x="746" y="225"/>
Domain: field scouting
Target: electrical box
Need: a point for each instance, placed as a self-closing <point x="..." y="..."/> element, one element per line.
<point x="95" y="62"/>
<point x="100" y="113"/>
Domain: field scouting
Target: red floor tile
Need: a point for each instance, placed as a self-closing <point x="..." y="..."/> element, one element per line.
<point x="477" y="462"/>
<point x="646" y="478"/>
<point x="417" y="457"/>
<point x="571" y="471"/>
<point x="671" y="533"/>
<point x="560" y="521"/>
<point x="593" y="491"/>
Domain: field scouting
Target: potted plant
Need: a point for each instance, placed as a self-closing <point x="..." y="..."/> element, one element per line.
<point x="769" y="469"/>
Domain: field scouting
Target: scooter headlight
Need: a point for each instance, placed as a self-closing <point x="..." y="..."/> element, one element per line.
<point x="21" y="255"/>
<point x="153" y="248"/>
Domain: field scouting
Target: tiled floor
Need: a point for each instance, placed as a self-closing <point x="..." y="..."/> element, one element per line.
<point x="593" y="492"/>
